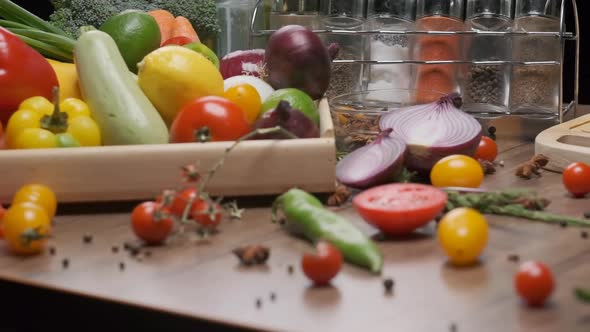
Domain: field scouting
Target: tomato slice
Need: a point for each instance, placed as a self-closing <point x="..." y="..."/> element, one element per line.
<point x="400" y="208"/>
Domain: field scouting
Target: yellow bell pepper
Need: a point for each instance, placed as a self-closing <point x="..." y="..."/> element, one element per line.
<point x="39" y="124"/>
<point x="67" y="76"/>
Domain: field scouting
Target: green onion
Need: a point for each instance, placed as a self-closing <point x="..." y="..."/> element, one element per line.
<point x="47" y="50"/>
<point x="11" y="24"/>
<point x="64" y="43"/>
<point x="13" y="12"/>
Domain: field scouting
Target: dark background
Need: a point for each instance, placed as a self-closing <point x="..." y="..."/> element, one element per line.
<point x="43" y="9"/>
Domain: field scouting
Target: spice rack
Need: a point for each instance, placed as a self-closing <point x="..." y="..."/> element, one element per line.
<point x="562" y="36"/>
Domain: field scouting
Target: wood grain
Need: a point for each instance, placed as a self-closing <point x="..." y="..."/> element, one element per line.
<point x="204" y="280"/>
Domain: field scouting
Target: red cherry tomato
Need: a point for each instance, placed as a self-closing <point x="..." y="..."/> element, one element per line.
<point x="148" y="226"/>
<point x="576" y="179"/>
<point x="487" y="149"/>
<point x="534" y="283"/>
<point x="400" y="208"/>
<point x="181" y="200"/>
<point x="223" y="118"/>
<point x="206" y="214"/>
<point x="324" y="266"/>
<point x="180" y="40"/>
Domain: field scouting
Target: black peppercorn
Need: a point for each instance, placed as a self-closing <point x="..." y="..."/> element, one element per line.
<point x="115" y="249"/>
<point x="148" y="253"/>
<point x="52" y="251"/>
<point x="513" y="258"/>
<point x="87" y="239"/>
<point x="563" y="224"/>
<point x="584" y="235"/>
<point x="492" y="130"/>
<point x="258" y="303"/>
<point x="273" y="296"/>
<point x="388" y="284"/>
<point x="587" y="215"/>
<point x="121" y="266"/>
<point x="290" y="269"/>
<point x="453" y="327"/>
<point x="65" y="263"/>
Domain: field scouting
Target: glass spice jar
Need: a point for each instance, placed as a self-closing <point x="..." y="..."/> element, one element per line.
<point x="345" y="15"/>
<point x="438" y="15"/>
<point x="300" y="12"/>
<point x="535" y="88"/>
<point x="392" y="15"/>
<point x="486" y="87"/>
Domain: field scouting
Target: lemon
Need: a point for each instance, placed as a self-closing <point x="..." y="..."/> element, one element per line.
<point x="172" y="76"/>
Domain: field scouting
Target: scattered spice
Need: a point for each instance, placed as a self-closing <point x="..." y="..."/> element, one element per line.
<point x="532" y="167"/>
<point x="252" y="254"/>
<point x="121" y="266"/>
<point x="290" y="269"/>
<point x="52" y="251"/>
<point x="453" y="327"/>
<point x="258" y="303"/>
<point x="584" y="234"/>
<point x="273" y="296"/>
<point x="87" y="239"/>
<point x="134" y="251"/>
<point x="65" y="263"/>
<point x="147" y="253"/>
<point x="563" y="224"/>
<point x="513" y="258"/>
<point x="340" y="196"/>
<point x="587" y="215"/>
<point x="388" y="285"/>
<point x="488" y="166"/>
<point x="115" y="249"/>
<point x="282" y="221"/>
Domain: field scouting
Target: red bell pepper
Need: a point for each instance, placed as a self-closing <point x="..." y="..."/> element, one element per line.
<point x="24" y="73"/>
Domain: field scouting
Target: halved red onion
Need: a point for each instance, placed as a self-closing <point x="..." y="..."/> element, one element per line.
<point x="249" y="62"/>
<point x="433" y="131"/>
<point x="377" y="163"/>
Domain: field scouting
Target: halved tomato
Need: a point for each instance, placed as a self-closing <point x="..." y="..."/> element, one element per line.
<point x="400" y="208"/>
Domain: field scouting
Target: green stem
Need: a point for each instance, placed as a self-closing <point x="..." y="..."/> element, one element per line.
<point x="57" y="122"/>
<point x="13" y="12"/>
<point x="11" y="24"/>
<point x="64" y="43"/>
<point x="47" y="50"/>
<point x="582" y="294"/>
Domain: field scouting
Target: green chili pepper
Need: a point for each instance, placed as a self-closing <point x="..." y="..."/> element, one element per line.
<point x="317" y="223"/>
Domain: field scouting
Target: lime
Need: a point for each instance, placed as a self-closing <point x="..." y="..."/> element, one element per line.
<point x="136" y="34"/>
<point x="298" y="100"/>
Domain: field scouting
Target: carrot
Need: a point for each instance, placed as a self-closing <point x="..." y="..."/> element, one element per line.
<point x="183" y="27"/>
<point x="165" y="21"/>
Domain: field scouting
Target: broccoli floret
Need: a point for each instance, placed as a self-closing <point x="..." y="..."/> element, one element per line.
<point x="201" y="13"/>
<point x="70" y="15"/>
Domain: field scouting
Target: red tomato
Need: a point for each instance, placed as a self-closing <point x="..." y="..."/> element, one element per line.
<point x="206" y="214"/>
<point x="487" y="149"/>
<point x="400" y="208"/>
<point x="180" y="40"/>
<point x="324" y="266"/>
<point x="225" y="120"/>
<point x="149" y="228"/>
<point x="576" y="179"/>
<point x="534" y="282"/>
<point x="181" y="200"/>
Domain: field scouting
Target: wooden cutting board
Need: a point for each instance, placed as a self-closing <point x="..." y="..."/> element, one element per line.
<point x="565" y="143"/>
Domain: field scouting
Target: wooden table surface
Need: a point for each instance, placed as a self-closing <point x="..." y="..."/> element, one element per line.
<point x="204" y="280"/>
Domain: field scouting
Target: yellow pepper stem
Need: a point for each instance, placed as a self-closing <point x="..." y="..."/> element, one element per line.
<point x="57" y="122"/>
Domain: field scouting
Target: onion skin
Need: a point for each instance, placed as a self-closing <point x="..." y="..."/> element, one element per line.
<point x="290" y="119"/>
<point x="392" y="149"/>
<point x="238" y="63"/>
<point x="295" y="57"/>
<point x="410" y="127"/>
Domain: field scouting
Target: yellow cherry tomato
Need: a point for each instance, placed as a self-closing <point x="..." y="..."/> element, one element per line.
<point x="38" y="194"/>
<point x="18" y="122"/>
<point x="74" y="107"/>
<point x="463" y="235"/>
<point x="247" y="98"/>
<point x="26" y="227"/>
<point x="85" y="130"/>
<point x="37" y="104"/>
<point x="35" y="138"/>
<point x="457" y="171"/>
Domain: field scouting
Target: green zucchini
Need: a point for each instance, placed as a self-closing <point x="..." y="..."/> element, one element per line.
<point x="123" y="113"/>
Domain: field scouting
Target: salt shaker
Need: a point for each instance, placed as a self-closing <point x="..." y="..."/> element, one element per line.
<point x="486" y="87"/>
<point x="392" y="15"/>
<point x="438" y="15"/>
<point x="345" y="15"/>
<point x="535" y="88"/>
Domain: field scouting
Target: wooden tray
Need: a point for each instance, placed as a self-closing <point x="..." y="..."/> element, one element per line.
<point x="118" y="173"/>
<point x="565" y="143"/>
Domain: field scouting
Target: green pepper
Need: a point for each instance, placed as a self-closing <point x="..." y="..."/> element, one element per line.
<point x="309" y="216"/>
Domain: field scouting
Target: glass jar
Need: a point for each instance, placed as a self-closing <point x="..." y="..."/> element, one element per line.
<point x="300" y="12"/>
<point x="345" y="15"/>
<point x="535" y="88"/>
<point x="438" y="15"/>
<point x="392" y="15"/>
<point x="234" y="18"/>
<point x="486" y="87"/>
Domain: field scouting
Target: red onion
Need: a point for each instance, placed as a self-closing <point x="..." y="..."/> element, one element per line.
<point x="289" y="118"/>
<point x="377" y="163"/>
<point x="296" y="58"/>
<point x="433" y="131"/>
<point x="236" y="63"/>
